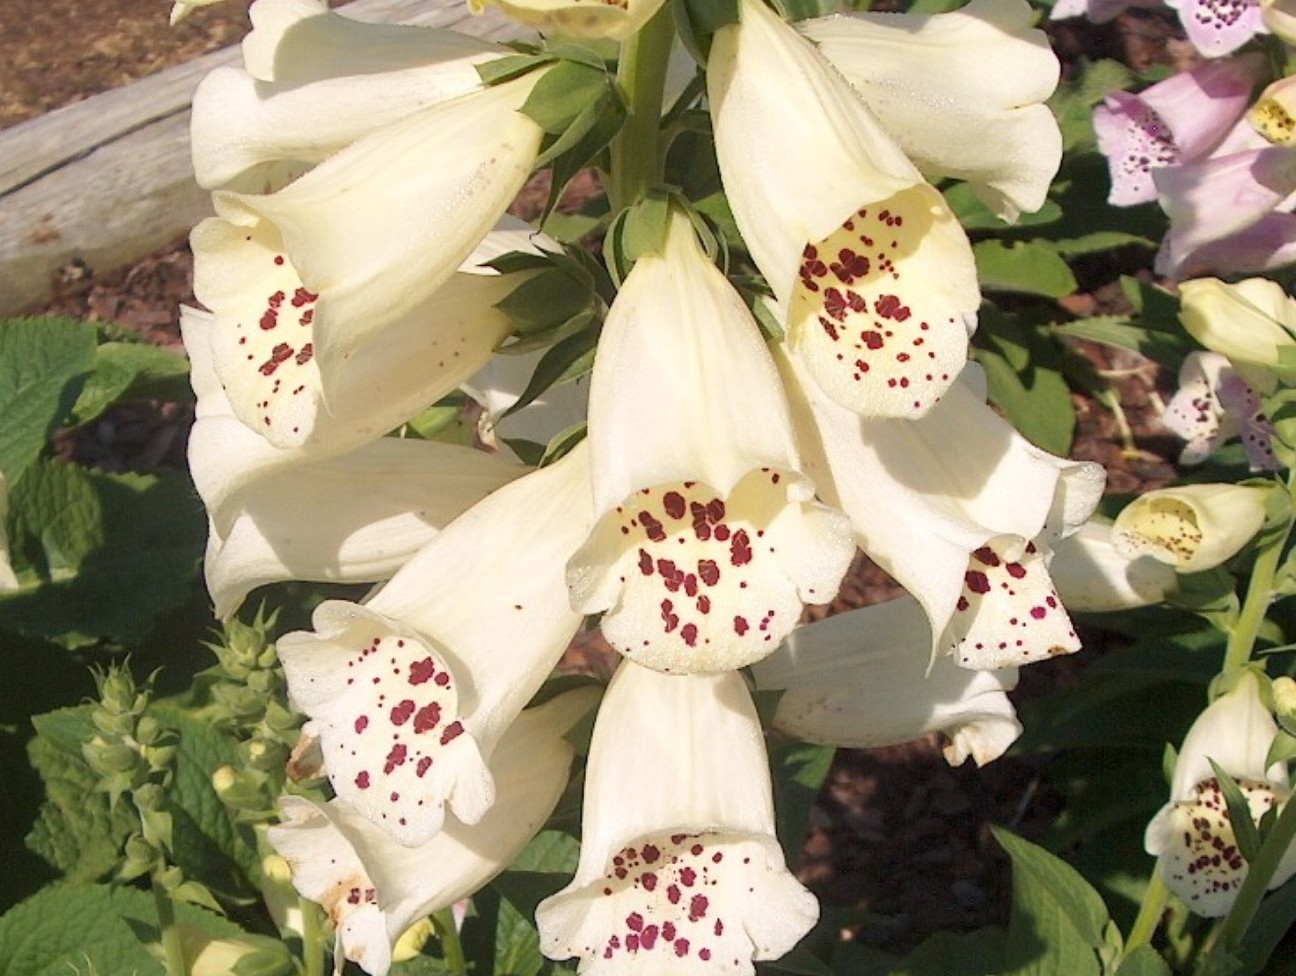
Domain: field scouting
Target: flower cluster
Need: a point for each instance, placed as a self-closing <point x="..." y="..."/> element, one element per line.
<point x="360" y="177"/>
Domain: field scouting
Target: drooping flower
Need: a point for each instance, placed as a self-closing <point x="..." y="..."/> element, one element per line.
<point x="708" y="538"/>
<point x="1178" y="120"/>
<point x="1192" y="527"/>
<point x="1250" y="323"/>
<point x="679" y="869"/>
<point x="1092" y="575"/>
<point x="617" y="19"/>
<point x="1192" y="836"/>
<point x="374" y="888"/>
<point x="875" y="276"/>
<point x="1219" y="27"/>
<point x="862" y="679"/>
<point x="961" y="93"/>
<point x="1212" y="406"/>
<point x="410" y="692"/>
<point x="301" y="280"/>
<point x="314" y="82"/>
<point x="959" y="508"/>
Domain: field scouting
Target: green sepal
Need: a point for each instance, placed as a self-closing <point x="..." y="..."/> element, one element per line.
<point x="697" y="20"/>
<point x="500" y="70"/>
<point x="565" y="360"/>
<point x="1239" y="813"/>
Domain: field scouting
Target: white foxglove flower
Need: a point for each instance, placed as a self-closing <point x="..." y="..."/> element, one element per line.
<point x="277" y="514"/>
<point x="1191" y="527"/>
<point x="875" y="274"/>
<point x="1191" y="835"/>
<point x="959" y="508"/>
<point x="1092" y="575"/>
<point x="264" y="333"/>
<point x="708" y="540"/>
<point x="314" y="82"/>
<point x="617" y="19"/>
<point x="410" y="692"/>
<point x="1250" y="322"/>
<point x="1213" y="405"/>
<point x="680" y="871"/>
<point x="961" y="93"/>
<point x="299" y="281"/>
<point x="862" y="679"/>
<point x="374" y="889"/>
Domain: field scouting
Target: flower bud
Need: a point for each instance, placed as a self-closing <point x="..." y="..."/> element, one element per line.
<point x="1249" y="322"/>
<point x="1193" y="527"/>
<point x="411" y="942"/>
<point x="1284" y="699"/>
<point x="106" y="758"/>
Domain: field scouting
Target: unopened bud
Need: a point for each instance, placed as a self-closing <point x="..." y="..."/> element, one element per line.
<point x="1284" y="698"/>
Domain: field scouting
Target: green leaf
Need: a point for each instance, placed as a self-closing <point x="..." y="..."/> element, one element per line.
<point x="974" y="214"/>
<point x="978" y="953"/>
<point x="1057" y="919"/>
<point x="1143" y="961"/>
<point x="562" y="95"/>
<point x="1025" y="380"/>
<point x="1239" y="813"/>
<point x="1167" y="348"/>
<point x="66" y="929"/>
<point x="1101" y="240"/>
<point x="131" y="370"/>
<point x="1029" y="267"/>
<point x="76" y="830"/>
<point x="42" y="364"/>
<point x="565" y="360"/>
<point x="799" y="772"/>
<point x="208" y="846"/>
<point x="100" y="556"/>
<point x="1272" y="922"/>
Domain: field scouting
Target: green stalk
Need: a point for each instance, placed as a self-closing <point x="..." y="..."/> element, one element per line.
<point x="1150" y="913"/>
<point x="1259" y="873"/>
<point x="635" y="151"/>
<point x="172" y="949"/>
<point x="312" y="939"/>
<point x="451" y="947"/>
<point x="1242" y="638"/>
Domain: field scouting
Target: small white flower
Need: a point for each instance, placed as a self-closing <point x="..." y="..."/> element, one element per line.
<point x="1192" y="527"/>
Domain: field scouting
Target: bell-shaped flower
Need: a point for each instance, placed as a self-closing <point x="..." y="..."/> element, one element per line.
<point x="1212" y="406"/>
<point x="1178" y="120"/>
<point x="617" y="19"/>
<point x="1219" y="27"/>
<point x="277" y="514"/>
<point x="1266" y="245"/>
<point x="1274" y="112"/>
<point x="314" y="82"/>
<point x="873" y="272"/>
<point x="1250" y="323"/>
<point x="961" y="93"/>
<point x="1192" y="836"/>
<point x="862" y="679"/>
<point x="708" y="540"/>
<point x="300" y="281"/>
<point x="1092" y="576"/>
<point x="410" y="692"/>
<point x="1192" y="527"/>
<point x="1221" y="199"/>
<point x="959" y="509"/>
<point x="265" y="334"/>
<point x="373" y="888"/>
<point x="679" y="869"/>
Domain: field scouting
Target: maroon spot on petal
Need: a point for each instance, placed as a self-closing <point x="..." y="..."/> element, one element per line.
<point x="361" y="723"/>
<point x="740" y="625"/>
<point x="674" y="504"/>
<point x="652" y="527"/>
<point x="421" y="671"/>
<point x="1016" y="570"/>
<point x="1039" y="613"/>
<point x="423" y="766"/>
<point x="452" y="732"/>
<point x="986" y="556"/>
<point x="690" y="634"/>
<point x="740" y="552"/>
<point x="402" y="712"/>
<point x="698" y="905"/>
<point x="428" y="717"/>
<point x="634" y="922"/>
<point x="708" y="571"/>
<point x="395" y="758"/>
<point x="362" y="779"/>
<point x="976" y="581"/>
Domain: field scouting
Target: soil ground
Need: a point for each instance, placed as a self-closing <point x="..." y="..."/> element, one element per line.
<point x="897" y="833"/>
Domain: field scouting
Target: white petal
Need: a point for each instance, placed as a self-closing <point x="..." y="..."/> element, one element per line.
<point x="1090" y="575"/>
<point x="499" y="384"/>
<point x="679" y="869"/>
<point x="876" y="275"/>
<point x="961" y="93"/>
<point x="709" y="541"/>
<point x="354" y="518"/>
<point x="862" y="679"/>
<point x="1236" y="730"/>
<point x="579" y="18"/>
<point x="374" y="888"/>
<point x="376" y="229"/>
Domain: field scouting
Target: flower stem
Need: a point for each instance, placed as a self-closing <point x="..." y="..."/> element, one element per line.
<point x="1242" y="637"/>
<point x="1259" y="873"/>
<point x="312" y="939"/>
<point x="451" y="947"/>
<point x="1150" y="912"/>
<point x="636" y="162"/>
<point x="172" y="949"/>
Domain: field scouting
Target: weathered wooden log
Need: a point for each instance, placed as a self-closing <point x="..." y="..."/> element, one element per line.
<point x="107" y="180"/>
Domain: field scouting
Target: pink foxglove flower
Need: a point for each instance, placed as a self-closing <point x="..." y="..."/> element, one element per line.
<point x="679" y="869"/>
<point x="962" y="93"/>
<point x="1213" y="405"/>
<point x="1191" y="836"/>
<point x="1098" y="11"/>
<point x="1170" y="123"/>
<point x="374" y="888"/>
<point x="1219" y="27"/>
<point x="861" y="679"/>
<point x="410" y="692"/>
<point x="873" y="272"/>
<point x="708" y="539"/>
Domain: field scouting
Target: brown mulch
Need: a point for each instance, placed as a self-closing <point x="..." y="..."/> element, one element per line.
<point x="897" y="833"/>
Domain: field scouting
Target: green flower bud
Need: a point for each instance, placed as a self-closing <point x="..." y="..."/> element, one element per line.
<point x="1284" y="698"/>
